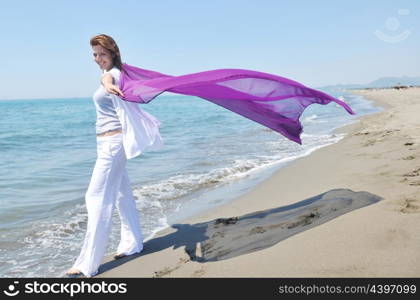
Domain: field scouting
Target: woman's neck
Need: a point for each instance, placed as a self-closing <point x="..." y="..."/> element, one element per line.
<point x="104" y="70"/>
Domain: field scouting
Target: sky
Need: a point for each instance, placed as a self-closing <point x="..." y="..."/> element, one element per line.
<point x="45" y="50"/>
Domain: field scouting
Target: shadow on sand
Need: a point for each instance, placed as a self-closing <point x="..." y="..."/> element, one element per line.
<point x="230" y="237"/>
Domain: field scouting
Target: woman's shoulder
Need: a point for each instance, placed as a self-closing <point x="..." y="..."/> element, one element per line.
<point x="115" y="72"/>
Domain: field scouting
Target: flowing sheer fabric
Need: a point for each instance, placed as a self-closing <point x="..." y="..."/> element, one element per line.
<point x="273" y="101"/>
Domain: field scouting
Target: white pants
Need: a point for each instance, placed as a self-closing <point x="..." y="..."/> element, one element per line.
<point x="109" y="186"/>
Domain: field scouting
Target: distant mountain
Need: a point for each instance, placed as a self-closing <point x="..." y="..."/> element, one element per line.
<point x="378" y="83"/>
<point x="392" y="81"/>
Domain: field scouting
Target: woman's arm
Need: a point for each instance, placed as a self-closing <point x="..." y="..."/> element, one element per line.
<point x="108" y="82"/>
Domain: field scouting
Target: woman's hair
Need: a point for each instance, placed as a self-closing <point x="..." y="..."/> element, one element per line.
<point x="108" y="43"/>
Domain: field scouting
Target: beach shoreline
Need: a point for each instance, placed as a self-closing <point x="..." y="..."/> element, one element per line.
<point x="379" y="157"/>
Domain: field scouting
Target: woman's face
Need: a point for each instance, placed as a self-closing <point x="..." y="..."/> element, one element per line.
<point x="102" y="57"/>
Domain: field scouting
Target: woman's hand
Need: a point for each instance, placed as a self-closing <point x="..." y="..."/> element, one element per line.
<point x="113" y="89"/>
<point x="108" y="83"/>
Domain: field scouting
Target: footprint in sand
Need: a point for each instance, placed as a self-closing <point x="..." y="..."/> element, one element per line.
<point x="162" y="272"/>
<point x="218" y="233"/>
<point x="199" y="273"/>
<point x="168" y="270"/>
<point x="413" y="173"/>
<point x="304" y="220"/>
<point x="388" y="132"/>
<point x="410" y="205"/>
<point x="410" y="157"/>
<point x="226" y="221"/>
<point x="362" y="133"/>
<point x="370" y="143"/>
<point x="258" y="229"/>
<point x="415" y="183"/>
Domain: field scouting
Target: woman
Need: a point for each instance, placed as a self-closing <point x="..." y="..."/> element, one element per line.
<point x="120" y="136"/>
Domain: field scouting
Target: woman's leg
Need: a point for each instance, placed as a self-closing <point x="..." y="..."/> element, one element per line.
<point x="100" y="201"/>
<point x="131" y="235"/>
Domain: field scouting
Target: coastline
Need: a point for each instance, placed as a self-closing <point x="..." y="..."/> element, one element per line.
<point x="379" y="155"/>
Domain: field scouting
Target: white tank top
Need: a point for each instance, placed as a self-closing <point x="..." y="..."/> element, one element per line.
<point x="106" y="116"/>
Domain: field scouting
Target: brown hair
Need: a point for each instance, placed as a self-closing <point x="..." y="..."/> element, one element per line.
<point x="108" y="43"/>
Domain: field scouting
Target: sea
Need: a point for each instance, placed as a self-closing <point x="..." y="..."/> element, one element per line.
<point x="211" y="156"/>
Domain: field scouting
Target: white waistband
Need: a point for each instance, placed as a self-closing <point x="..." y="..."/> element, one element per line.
<point x="114" y="136"/>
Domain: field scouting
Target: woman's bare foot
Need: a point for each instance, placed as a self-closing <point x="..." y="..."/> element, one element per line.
<point x="73" y="271"/>
<point x="118" y="256"/>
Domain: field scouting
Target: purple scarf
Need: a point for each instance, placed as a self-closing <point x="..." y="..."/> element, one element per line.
<point x="271" y="100"/>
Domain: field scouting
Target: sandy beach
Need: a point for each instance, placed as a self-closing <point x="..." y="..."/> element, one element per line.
<point x="351" y="209"/>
